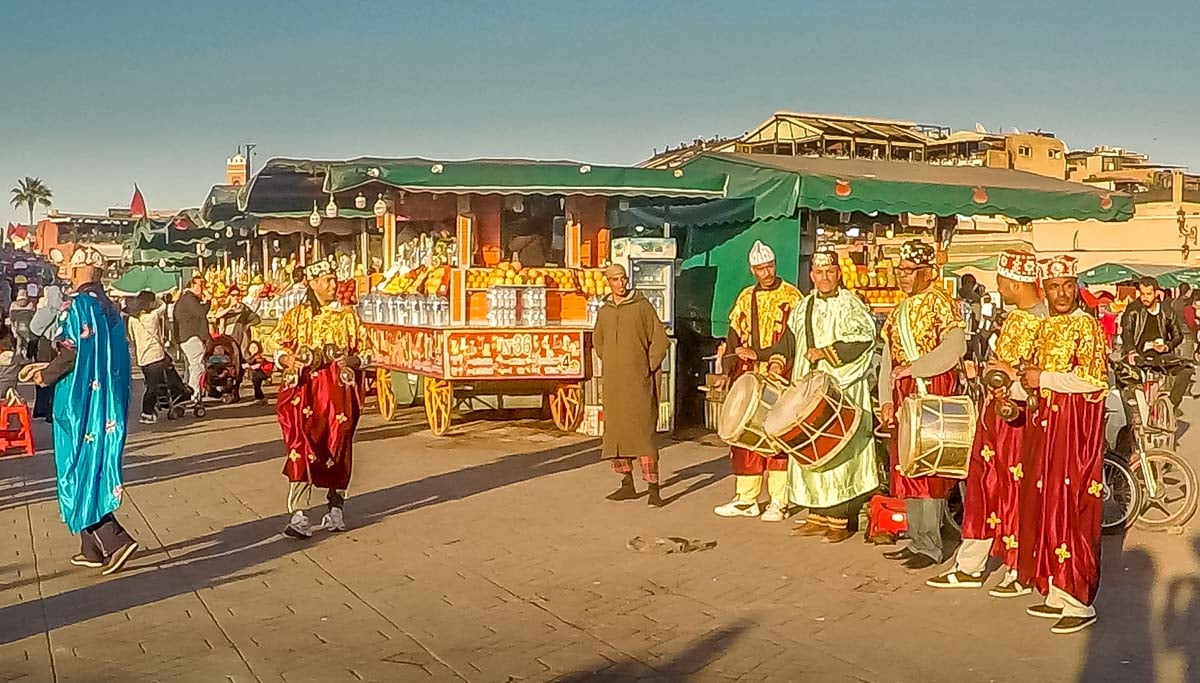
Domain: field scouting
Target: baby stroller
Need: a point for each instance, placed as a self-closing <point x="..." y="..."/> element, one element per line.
<point x="174" y="397"/>
<point x="223" y="372"/>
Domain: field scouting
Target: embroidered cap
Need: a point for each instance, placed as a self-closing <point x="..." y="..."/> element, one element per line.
<point x="918" y="252"/>
<point x="1017" y="265"/>
<point x="318" y="269"/>
<point x="761" y="254"/>
<point x="825" y="257"/>
<point x="1059" y="267"/>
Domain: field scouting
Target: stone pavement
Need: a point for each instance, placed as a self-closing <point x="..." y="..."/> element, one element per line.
<point x="492" y="556"/>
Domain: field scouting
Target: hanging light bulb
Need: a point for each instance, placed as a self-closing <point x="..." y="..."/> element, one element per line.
<point x="314" y="218"/>
<point x="518" y="205"/>
<point x="380" y="206"/>
<point x="331" y="209"/>
<point x="360" y="201"/>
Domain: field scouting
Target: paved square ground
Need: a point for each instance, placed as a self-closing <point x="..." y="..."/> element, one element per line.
<point x="492" y="555"/>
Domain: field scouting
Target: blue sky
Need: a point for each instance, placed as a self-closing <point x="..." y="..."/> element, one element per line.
<point x="100" y="95"/>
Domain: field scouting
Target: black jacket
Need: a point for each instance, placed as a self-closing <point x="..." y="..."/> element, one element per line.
<point x="191" y="318"/>
<point x="1133" y="323"/>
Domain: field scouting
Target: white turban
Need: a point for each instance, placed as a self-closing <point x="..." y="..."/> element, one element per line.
<point x="761" y="254"/>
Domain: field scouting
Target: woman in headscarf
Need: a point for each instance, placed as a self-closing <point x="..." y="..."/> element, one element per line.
<point x="43" y="327"/>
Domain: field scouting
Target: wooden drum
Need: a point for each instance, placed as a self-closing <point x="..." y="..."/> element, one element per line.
<point x="935" y="435"/>
<point x="813" y="421"/>
<point x="746" y="405"/>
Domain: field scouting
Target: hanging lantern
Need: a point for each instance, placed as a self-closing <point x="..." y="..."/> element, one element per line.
<point x="360" y="202"/>
<point x="229" y="232"/>
<point x="518" y="205"/>
<point x="331" y="209"/>
<point x="314" y="218"/>
<point x="380" y="206"/>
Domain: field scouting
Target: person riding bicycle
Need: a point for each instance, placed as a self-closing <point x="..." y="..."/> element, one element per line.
<point x="1150" y="336"/>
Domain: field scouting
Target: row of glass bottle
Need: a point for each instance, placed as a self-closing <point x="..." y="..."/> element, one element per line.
<point x="405" y="309"/>
<point x="517" y="306"/>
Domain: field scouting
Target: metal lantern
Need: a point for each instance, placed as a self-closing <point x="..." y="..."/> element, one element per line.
<point x="314" y="218"/>
<point x="331" y="209"/>
<point x="380" y="206"/>
<point x="229" y="232"/>
<point x="360" y="202"/>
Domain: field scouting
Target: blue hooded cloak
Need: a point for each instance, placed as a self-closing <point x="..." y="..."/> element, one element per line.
<point x="91" y="410"/>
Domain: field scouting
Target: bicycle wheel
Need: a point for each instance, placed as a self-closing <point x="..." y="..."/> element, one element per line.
<point x="1176" y="494"/>
<point x="1162" y="424"/>
<point x="1122" y="498"/>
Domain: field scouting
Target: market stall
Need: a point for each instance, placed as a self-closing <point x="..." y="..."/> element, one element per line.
<point x="491" y="277"/>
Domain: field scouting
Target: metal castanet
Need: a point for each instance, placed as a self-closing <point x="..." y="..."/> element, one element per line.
<point x="1006" y="408"/>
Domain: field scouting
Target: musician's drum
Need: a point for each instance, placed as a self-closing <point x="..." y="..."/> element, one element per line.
<point x="813" y="420"/>
<point x="746" y="405"/>
<point x="935" y="435"/>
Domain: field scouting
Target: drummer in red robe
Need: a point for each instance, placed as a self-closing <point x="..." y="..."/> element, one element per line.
<point x="758" y="320"/>
<point x="923" y="342"/>
<point x="991" y="505"/>
<point x="1062" y="473"/>
<point x="320" y="402"/>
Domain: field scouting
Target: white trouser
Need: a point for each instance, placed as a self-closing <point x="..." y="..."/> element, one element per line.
<point x="972" y="558"/>
<point x="1060" y="599"/>
<point x="193" y="353"/>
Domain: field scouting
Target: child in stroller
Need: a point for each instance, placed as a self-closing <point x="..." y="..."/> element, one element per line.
<point x="222" y="377"/>
<point x="259" y="367"/>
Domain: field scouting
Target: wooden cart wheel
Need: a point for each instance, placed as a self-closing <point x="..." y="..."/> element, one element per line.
<point x="384" y="394"/>
<point x="439" y="401"/>
<point x="566" y="407"/>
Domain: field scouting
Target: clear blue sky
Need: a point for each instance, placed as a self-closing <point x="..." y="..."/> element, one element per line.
<point x="99" y="95"/>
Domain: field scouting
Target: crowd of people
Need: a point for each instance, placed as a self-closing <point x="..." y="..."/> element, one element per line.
<point x="1034" y="477"/>
<point x="1032" y="489"/>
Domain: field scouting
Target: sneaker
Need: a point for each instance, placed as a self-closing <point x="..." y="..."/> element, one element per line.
<point x="1010" y="589"/>
<point x="1044" y="612"/>
<point x="148" y="419"/>
<point x="83" y="561"/>
<point x="773" y="513"/>
<point x="118" y="559"/>
<point x="956" y="579"/>
<point x="1069" y="625"/>
<point x="736" y="508"/>
<point x="333" y="520"/>
<point x="299" y="526"/>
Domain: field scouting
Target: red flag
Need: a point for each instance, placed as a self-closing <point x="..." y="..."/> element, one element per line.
<point x="137" y="205"/>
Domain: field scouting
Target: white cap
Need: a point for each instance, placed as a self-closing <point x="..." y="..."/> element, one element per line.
<point x="761" y="254"/>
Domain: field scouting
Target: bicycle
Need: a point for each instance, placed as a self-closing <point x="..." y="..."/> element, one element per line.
<point x="1153" y="481"/>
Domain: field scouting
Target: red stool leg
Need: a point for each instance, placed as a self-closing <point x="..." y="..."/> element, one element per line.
<point x="26" y="420"/>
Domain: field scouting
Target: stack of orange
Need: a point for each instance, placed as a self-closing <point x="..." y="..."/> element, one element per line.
<point x="592" y="283"/>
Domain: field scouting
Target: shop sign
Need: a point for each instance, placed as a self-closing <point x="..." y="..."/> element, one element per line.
<point x="410" y="349"/>
<point x="513" y="354"/>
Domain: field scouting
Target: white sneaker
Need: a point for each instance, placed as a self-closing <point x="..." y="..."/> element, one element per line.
<point x="773" y="513"/>
<point x="148" y="419"/>
<point x="299" y="526"/>
<point x="333" y="520"/>
<point x="736" y="508"/>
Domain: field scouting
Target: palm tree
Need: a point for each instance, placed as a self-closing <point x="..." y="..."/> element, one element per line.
<point x="29" y="193"/>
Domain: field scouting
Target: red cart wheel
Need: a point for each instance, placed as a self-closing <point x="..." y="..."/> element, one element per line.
<point x="566" y="407"/>
<point x="439" y="401"/>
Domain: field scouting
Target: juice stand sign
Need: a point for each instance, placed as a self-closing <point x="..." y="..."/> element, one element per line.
<point x="514" y="354"/>
<point x="411" y="349"/>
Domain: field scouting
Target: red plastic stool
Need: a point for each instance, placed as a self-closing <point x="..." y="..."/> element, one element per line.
<point x="22" y="436"/>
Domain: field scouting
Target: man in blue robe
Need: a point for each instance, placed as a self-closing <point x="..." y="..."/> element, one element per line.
<point x="90" y="376"/>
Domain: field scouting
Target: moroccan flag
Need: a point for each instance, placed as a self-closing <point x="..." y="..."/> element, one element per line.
<point x="137" y="205"/>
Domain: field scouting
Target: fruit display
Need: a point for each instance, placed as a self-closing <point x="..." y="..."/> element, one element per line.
<point x="403" y="282"/>
<point x="592" y="283"/>
<point x="875" y="283"/>
<point x="881" y="297"/>
<point x="514" y="274"/>
<point x="437" y="282"/>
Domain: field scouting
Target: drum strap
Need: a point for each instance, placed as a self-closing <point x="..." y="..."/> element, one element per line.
<point x="908" y="342"/>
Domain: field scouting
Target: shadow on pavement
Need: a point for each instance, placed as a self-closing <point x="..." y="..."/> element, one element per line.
<point x="706" y="474"/>
<point x="1121" y="643"/>
<point x="1181" y="620"/>
<point x="682" y="666"/>
<point x="232" y="553"/>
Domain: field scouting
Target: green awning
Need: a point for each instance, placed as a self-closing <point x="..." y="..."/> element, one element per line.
<point x="137" y="280"/>
<point x="1113" y="273"/>
<point x="287" y="185"/>
<point x="1190" y="276"/>
<point x="987" y="264"/>
<point x="783" y="184"/>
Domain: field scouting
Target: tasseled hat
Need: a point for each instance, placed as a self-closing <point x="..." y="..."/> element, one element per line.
<point x="1018" y="266"/>
<point x="318" y="269"/>
<point x="1059" y="267"/>
<point x="825" y="256"/>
